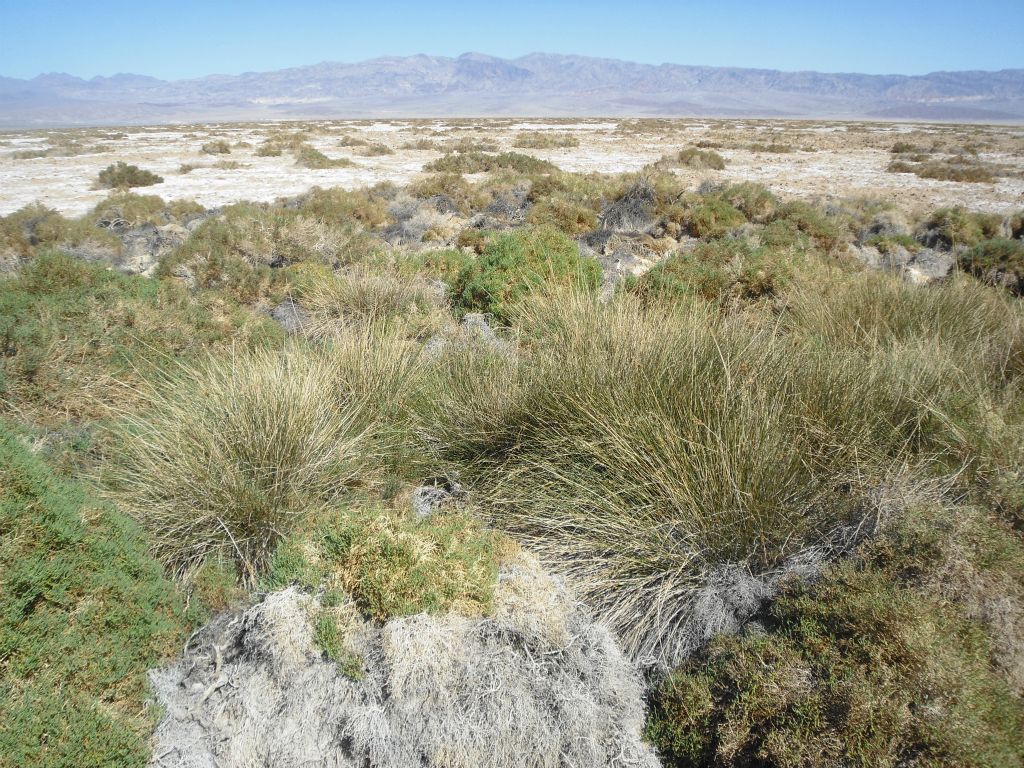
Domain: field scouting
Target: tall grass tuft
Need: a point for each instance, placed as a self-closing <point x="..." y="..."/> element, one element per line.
<point x="232" y="455"/>
<point x="645" y="452"/>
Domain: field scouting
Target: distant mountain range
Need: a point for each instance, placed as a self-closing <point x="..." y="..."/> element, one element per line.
<point x="539" y="84"/>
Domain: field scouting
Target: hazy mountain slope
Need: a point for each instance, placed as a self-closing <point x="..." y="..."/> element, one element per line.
<point x="537" y="84"/>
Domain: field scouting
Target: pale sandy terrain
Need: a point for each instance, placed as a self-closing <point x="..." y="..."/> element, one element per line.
<point x="831" y="160"/>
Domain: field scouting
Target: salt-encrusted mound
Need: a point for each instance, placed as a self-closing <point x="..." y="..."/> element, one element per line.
<point x="538" y="684"/>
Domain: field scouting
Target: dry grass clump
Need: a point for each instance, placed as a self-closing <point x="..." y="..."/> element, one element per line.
<point x="545" y="140"/>
<point x="232" y="455"/>
<point x="228" y="165"/>
<point x="641" y="476"/>
<point x="370" y="296"/>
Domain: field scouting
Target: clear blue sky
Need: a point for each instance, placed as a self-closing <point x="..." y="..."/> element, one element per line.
<point x="189" y="38"/>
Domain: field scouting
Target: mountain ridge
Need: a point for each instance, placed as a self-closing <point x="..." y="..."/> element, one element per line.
<point x="539" y="84"/>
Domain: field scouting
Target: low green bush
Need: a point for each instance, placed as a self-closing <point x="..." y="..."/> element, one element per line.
<point x="307" y="156"/>
<point x="219" y="147"/>
<point x="723" y="271"/>
<point x="515" y="263"/>
<point x="954" y="228"/>
<point x="84" y="613"/>
<point x="998" y="261"/>
<point x="120" y="175"/>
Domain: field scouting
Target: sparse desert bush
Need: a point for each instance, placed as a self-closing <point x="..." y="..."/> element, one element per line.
<point x="726" y="271"/>
<point x="564" y="214"/>
<point x="422" y="144"/>
<point x="772" y="148"/>
<point x="825" y="233"/>
<point x="376" y="149"/>
<point x="218" y="147"/>
<point x="696" y="159"/>
<point x="952" y="169"/>
<point x="307" y="156"/>
<point x="269" y="149"/>
<point x="998" y="261"/>
<point x="352" y="141"/>
<point x="334" y="205"/>
<point x="480" y="162"/>
<point x="84" y="613"/>
<point x="227" y="165"/>
<point x="889" y="244"/>
<point x="134" y="209"/>
<point x="187" y="168"/>
<point x="545" y="140"/>
<point x="36" y="228"/>
<point x="955" y="228"/>
<point x="234" y="454"/>
<point x="872" y="661"/>
<point x="515" y="263"/>
<point x="120" y="175"/>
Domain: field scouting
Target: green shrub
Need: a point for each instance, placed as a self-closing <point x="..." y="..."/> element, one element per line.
<point x="753" y="200"/>
<point x="721" y="271"/>
<point x="807" y="219"/>
<point x="954" y="228"/>
<point x="711" y="217"/>
<point x="515" y="263"/>
<point x="889" y="244"/>
<point x="997" y="261"/>
<point x="861" y="667"/>
<point x="465" y="195"/>
<point x="120" y="175"/>
<point x="376" y="149"/>
<point x="84" y="613"/>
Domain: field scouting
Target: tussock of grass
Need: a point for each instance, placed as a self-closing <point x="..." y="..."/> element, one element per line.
<point x="235" y="454"/>
<point x="219" y="147"/>
<point x="625" y="467"/>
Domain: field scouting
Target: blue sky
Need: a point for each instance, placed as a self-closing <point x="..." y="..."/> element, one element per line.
<point x="189" y="38"/>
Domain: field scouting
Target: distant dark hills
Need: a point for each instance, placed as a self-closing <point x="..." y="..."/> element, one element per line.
<point x="536" y="85"/>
